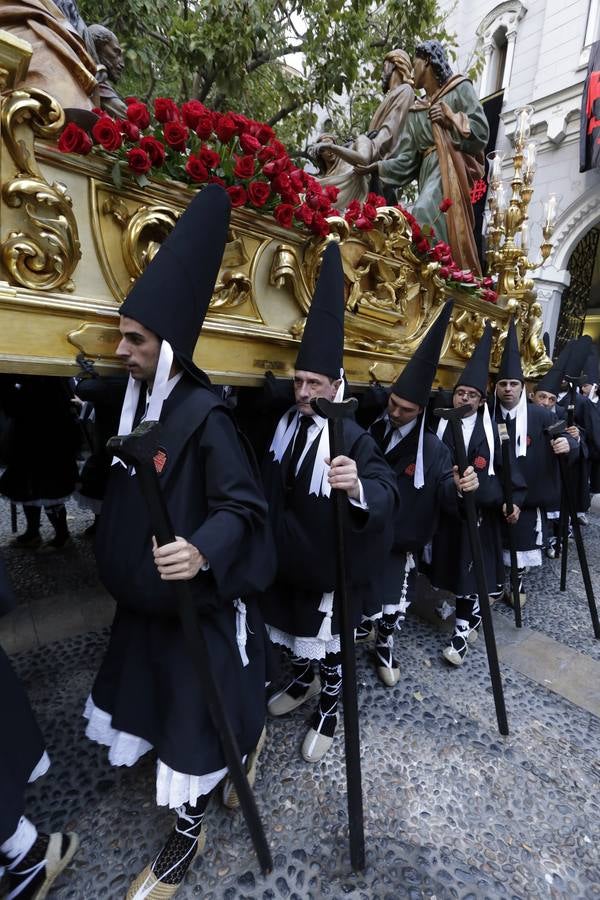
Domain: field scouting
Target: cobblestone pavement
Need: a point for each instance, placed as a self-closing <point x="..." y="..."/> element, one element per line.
<point x="452" y="810"/>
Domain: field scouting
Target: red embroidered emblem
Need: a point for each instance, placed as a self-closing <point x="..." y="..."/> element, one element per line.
<point x="159" y="459"/>
<point x="410" y="469"/>
<point x="528" y="440"/>
<point x="480" y="462"/>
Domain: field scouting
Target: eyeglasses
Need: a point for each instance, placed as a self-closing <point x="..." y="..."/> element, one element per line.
<point x="468" y="395"/>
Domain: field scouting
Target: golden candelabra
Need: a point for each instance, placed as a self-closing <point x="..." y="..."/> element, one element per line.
<point x="508" y="229"/>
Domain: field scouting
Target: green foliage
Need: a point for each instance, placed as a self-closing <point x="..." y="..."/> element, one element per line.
<point x="231" y="53"/>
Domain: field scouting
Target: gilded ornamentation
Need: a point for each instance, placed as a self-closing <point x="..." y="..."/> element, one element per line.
<point x="44" y="254"/>
<point x="142" y="231"/>
<point x="467" y="329"/>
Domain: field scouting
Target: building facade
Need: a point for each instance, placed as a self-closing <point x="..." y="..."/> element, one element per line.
<point x="537" y="52"/>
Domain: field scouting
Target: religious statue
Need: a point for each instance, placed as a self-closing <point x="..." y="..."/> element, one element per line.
<point x="111" y="65"/>
<point x="60" y="63"/>
<point x="442" y="146"/>
<point x="380" y="141"/>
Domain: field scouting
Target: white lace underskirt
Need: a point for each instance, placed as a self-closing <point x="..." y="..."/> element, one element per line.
<point x="90" y="503"/>
<point x="525" y="558"/>
<point x="305" y="647"/>
<point x="41" y="768"/>
<point x="172" y="788"/>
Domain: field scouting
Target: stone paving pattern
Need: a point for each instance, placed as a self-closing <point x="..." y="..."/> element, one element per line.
<point x="452" y="809"/>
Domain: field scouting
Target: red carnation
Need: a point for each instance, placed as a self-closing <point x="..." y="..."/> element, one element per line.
<point x="320" y="225"/>
<point x="284" y="213"/>
<point x="352" y="211"/>
<point x="176" y="135"/>
<point x="445" y="204"/>
<point x="155" y="150"/>
<point x="131" y="131"/>
<point x="137" y="112"/>
<point x="369" y="210"/>
<point x="244" y="167"/>
<point x="480" y="462"/>
<point x="196" y="169"/>
<point x="75" y="140"/>
<point x="258" y="193"/>
<point x="138" y="161"/>
<point x="107" y="133"/>
<point x="410" y="469"/>
<point x="225" y="128"/>
<point x="192" y="112"/>
<point x="332" y="192"/>
<point x="204" y="126"/>
<point x="237" y="195"/>
<point x="248" y="143"/>
<point x="304" y="214"/>
<point x="209" y="157"/>
<point x="166" y="110"/>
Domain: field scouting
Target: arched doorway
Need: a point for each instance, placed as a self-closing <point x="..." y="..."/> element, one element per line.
<point x="580" y="305"/>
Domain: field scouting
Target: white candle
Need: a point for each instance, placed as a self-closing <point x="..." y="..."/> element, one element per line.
<point x="525" y="237"/>
<point x="550" y="210"/>
<point x="530" y="154"/>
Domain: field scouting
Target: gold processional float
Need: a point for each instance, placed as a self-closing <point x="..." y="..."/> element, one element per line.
<point x="71" y="244"/>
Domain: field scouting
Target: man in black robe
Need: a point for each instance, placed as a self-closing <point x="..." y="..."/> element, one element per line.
<point x="147" y="693"/>
<point x="582" y="430"/>
<point x="452" y="560"/>
<point x="31" y="860"/>
<point x="424" y="473"/>
<point x="535" y="454"/>
<point x="300" y="608"/>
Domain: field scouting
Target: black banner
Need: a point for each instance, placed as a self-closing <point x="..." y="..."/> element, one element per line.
<point x="492" y="107"/>
<point x="589" y="133"/>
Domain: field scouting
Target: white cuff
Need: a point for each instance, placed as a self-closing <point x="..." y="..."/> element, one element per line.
<point x="361" y="503"/>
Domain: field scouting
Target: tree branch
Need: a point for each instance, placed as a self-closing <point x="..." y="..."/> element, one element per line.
<point x="266" y="56"/>
<point x="285" y="111"/>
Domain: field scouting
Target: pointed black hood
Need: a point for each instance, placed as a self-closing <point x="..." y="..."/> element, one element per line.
<point x="591" y="368"/>
<point x="551" y="382"/>
<point x="578" y="355"/>
<point x="172" y="295"/>
<point x="414" y="382"/>
<point x="475" y="374"/>
<point x="510" y="364"/>
<point x="322" y="347"/>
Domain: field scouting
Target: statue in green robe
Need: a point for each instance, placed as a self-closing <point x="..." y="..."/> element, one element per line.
<point x="442" y="146"/>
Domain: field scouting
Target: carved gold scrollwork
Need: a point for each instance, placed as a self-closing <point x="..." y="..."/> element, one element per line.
<point x="45" y="256"/>
<point x="234" y="289"/>
<point x="143" y="231"/>
<point x="467" y="329"/>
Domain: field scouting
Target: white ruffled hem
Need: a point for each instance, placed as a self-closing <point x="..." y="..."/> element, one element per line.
<point x="525" y="558"/>
<point x="41" y="768"/>
<point x="305" y="647"/>
<point x="172" y="788"/>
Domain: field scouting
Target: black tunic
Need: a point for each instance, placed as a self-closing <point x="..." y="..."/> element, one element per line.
<point x="539" y="468"/>
<point x="452" y="560"/>
<point x="304" y="529"/>
<point x="21" y="741"/>
<point x="414" y="529"/>
<point x="147" y="681"/>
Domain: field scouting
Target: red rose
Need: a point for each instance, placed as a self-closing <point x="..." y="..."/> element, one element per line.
<point x="166" y="110"/>
<point x="444" y="272"/>
<point x="332" y="192"/>
<point x="248" y="143"/>
<point x="155" y="150"/>
<point x="290" y="197"/>
<point x="480" y="462"/>
<point x="130" y="100"/>
<point x="265" y="154"/>
<point x="237" y="195"/>
<point x="196" y="169"/>
<point x="297" y="181"/>
<point x="176" y="135"/>
<point x="416" y="231"/>
<point x="320" y="225"/>
<point x="422" y="245"/>
<point x="468" y="277"/>
<point x="282" y="182"/>
<point x="244" y="167"/>
<point x="138" y="161"/>
<point x="225" y="128"/>
<point x="242" y="123"/>
<point x="209" y="157"/>
<point x="131" y="131"/>
<point x="284" y="213"/>
<point x="75" y="140"/>
<point x="107" y="133"/>
<point x="137" y="112"/>
<point x="279" y="148"/>
<point x="214" y="179"/>
<point x="369" y="210"/>
<point x="204" y="126"/>
<point x="192" y="112"/>
<point x="363" y="223"/>
<point x="352" y="211"/>
<point x="445" y="204"/>
<point x="490" y="296"/>
<point x="258" y="192"/>
<point x="410" y="469"/>
<point x="263" y="133"/>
